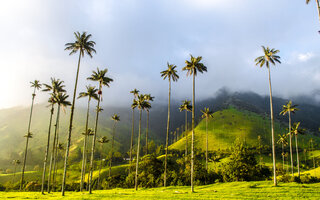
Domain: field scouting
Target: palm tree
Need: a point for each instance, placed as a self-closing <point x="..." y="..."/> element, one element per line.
<point x="61" y="99"/>
<point x="270" y="57"/>
<point x="55" y="87"/>
<point x="296" y="130"/>
<point x="89" y="133"/>
<point x="171" y="74"/>
<point x="283" y="141"/>
<point x="148" y="98"/>
<point x="141" y="104"/>
<point x="15" y="162"/>
<point x="103" y="80"/>
<point x="91" y="93"/>
<point x="192" y="67"/>
<point x="135" y="93"/>
<point x="59" y="148"/>
<point x="206" y="113"/>
<point x="185" y="106"/>
<point x="36" y="86"/>
<point x="116" y="119"/>
<point x="289" y="108"/>
<point x="102" y="140"/>
<point x="318" y="6"/>
<point x="83" y="44"/>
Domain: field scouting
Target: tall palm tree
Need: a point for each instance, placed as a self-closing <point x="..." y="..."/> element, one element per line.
<point x="148" y="98"/>
<point x="289" y="108"/>
<point x="318" y="6"/>
<point x="171" y="74"/>
<point x="295" y="130"/>
<point x="89" y="133"/>
<point x="192" y="67"/>
<point x="283" y="141"/>
<point x="135" y="93"/>
<point x="15" y="162"/>
<point x="116" y="119"/>
<point x="91" y="93"/>
<point x="55" y="87"/>
<point x="141" y="104"/>
<point x="206" y="113"/>
<point x="103" y="80"/>
<point x="36" y="86"/>
<point x="83" y="44"/>
<point x="61" y="99"/>
<point x="102" y="140"/>
<point x="269" y="56"/>
<point x="185" y="106"/>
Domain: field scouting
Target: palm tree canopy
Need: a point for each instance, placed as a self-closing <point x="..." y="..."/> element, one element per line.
<point x="55" y="87"/>
<point x="282" y="140"/>
<point x="60" y="98"/>
<point x="91" y="93"/>
<point x="141" y="103"/>
<point x="135" y="93"/>
<point x="295" y="130"/>
<point x="206" y="113"/>
<point x="170" y="73"/>
<point x="60" y="147"/>
<point x="148" y="97"/>
<point x="89" y="132"/>
<point x="36" y="84"/>
<point x="82" y="43"/>
<point x="194" y="65"/>
<point x="115" y="117"/>
<point x="185" y="106"/>
<point x="99" y="109"/>
<point x="16" y="162"/>
<point x="100" y="76"/>
<point x="103" y="140"/>
<point x="268" y="57"/>
<point x="307" y="1"/>
<point x="288" y="108"/>
<point x="28" y="135"/>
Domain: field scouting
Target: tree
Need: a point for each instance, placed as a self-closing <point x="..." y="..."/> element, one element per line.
<point x="141" y="104"/>
<point x="171" y="74"/>
<point x="116" y="119"/>
<point x="36" y="86"/>
<point x="318" y="6"/>
<point x="15" y="162"/>
<point x="91" y="93"/>
<point x="185" y="106"/>
<point x="135" y="93"/>
<point x="206" y="113"/>
<point x="55" y="87"/>
<point x="283" y="141"/>
<point x="192" y="67"/>
<point x="148" y="98"/>
<point x="102" y="140"/>
<point x="269" y="56"/>
<point x="83" y="44"/>
<point x="295" y="130"/>
<point x="289" y="108"/>
<point x="103" y="80"/>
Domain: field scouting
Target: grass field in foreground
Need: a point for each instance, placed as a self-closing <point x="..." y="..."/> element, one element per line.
<point x="234" y="190"/>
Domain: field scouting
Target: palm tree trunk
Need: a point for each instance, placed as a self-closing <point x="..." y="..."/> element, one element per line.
<point x="83" y="167"/>
<point x="27" y="142"/>
<point x="55" y="162"/>
<point x="186" y="133"/>
<point x="207" y="144"/>
<point x="290" y="138"/>
<point x="167" y="138"/>
<point x="131" y="144"/>
<point x="70" y="129"/>
<point x="192" y="136"/>
<point x="318" y="8"/>
<point x="47" y="151"/>
<point x="14" y="172"/>
<point x="114" y="129"/>
<point x="282" y="156"/>
<point x="98" y="184"/>
<point x="297" y="149"/>
<point x="52" y="158"/>
<point x="272" y="133"/>
<point x="147" y="132"/>
<point x="94" y="142"/>
<point x="138" y="151"/>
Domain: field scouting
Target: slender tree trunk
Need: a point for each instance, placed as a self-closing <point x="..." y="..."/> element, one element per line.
<point x="186" y="132"/>
<point x="47" y="151"/>
<point x="27" y="142"/>
<point x="207" y="144"/>
<point x="114" y="129"/>
<point x="138" y="151"/>
<point x="55" y="159"/>
<point x="167" y="138"/>
<point x="290" y="138"/>
<point x="70" y="129"/>
<point x="297" y="149"/>
<point x="52" y="158"/>
<point x="14" y="172"/>
<point x="94" y="142"/>
<point x="147" y="129"/>
<point x="131" y="144"/>
<point x="83" y="167"/>
<point x="318" y="8"/>
<point x="192" y="136"/>
<point x="282" y="156"/>
<point x="314" y="163"/>
<point x="272" y="133"/>
<point x="98" y="184"/>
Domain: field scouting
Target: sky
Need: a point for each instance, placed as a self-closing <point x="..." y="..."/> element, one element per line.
<point x="136" y="38"/>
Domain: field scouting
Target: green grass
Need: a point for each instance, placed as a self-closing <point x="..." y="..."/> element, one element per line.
<point x="234" y="190"/>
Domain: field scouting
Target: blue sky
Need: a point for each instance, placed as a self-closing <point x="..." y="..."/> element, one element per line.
<point x="136" y="38"/>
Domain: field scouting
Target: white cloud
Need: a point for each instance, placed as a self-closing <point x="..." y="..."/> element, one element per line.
<point x="303" y="57"/>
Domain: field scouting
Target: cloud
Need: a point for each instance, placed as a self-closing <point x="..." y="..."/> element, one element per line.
<point x="305" y="57"/>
